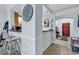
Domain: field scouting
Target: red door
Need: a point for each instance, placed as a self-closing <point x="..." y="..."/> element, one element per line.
<point x="66" y="29"/>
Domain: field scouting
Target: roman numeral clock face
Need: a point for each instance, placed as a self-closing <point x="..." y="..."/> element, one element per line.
<point x="27" y="12"/>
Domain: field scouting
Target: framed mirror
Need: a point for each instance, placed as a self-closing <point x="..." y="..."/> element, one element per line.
<point x="27" y="12"/>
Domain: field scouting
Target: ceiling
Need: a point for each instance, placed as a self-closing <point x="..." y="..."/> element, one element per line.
<point x="4" y="7"/>
<point x="52" y="7"/>
<point x="60" y="7"/>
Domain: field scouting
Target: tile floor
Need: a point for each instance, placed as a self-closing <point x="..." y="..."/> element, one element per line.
<point x="60" y="47"/>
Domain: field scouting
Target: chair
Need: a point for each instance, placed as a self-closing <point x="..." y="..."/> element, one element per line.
<point x="12" y="46"/>
<point x="75" y="43"/>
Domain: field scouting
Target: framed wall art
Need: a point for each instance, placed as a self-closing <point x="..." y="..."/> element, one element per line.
<point x="46" y="20"/>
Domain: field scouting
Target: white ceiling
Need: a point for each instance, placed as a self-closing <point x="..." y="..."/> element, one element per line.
<point x="52" y="7"/>
<point x="4" y="7"/>
<point x="60" y="7"/>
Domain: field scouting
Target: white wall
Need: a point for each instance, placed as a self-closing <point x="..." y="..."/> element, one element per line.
<point x="47" y="39"/>
<point x="48" y="36"/>
<point x="76" y="28"/>
<point x="28" y="35"/>
<point x="10" y="17"/>
<point x="43" y="39"/>
<point x="38" y="30"/>
<point x="28" y="30"/>
<point x="65" y="20"/>
<point x="3" y="19"/>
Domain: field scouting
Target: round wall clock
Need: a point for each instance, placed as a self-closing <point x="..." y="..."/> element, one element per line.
<point x="27" y="12"/>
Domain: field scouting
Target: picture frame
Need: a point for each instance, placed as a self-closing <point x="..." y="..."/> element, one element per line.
<point x="46" y="20"/>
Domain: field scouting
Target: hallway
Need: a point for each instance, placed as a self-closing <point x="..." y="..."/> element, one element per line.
<point x="60" y="47"/>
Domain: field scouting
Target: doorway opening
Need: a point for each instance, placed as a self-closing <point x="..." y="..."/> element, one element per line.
<point x="17" y="21"/>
